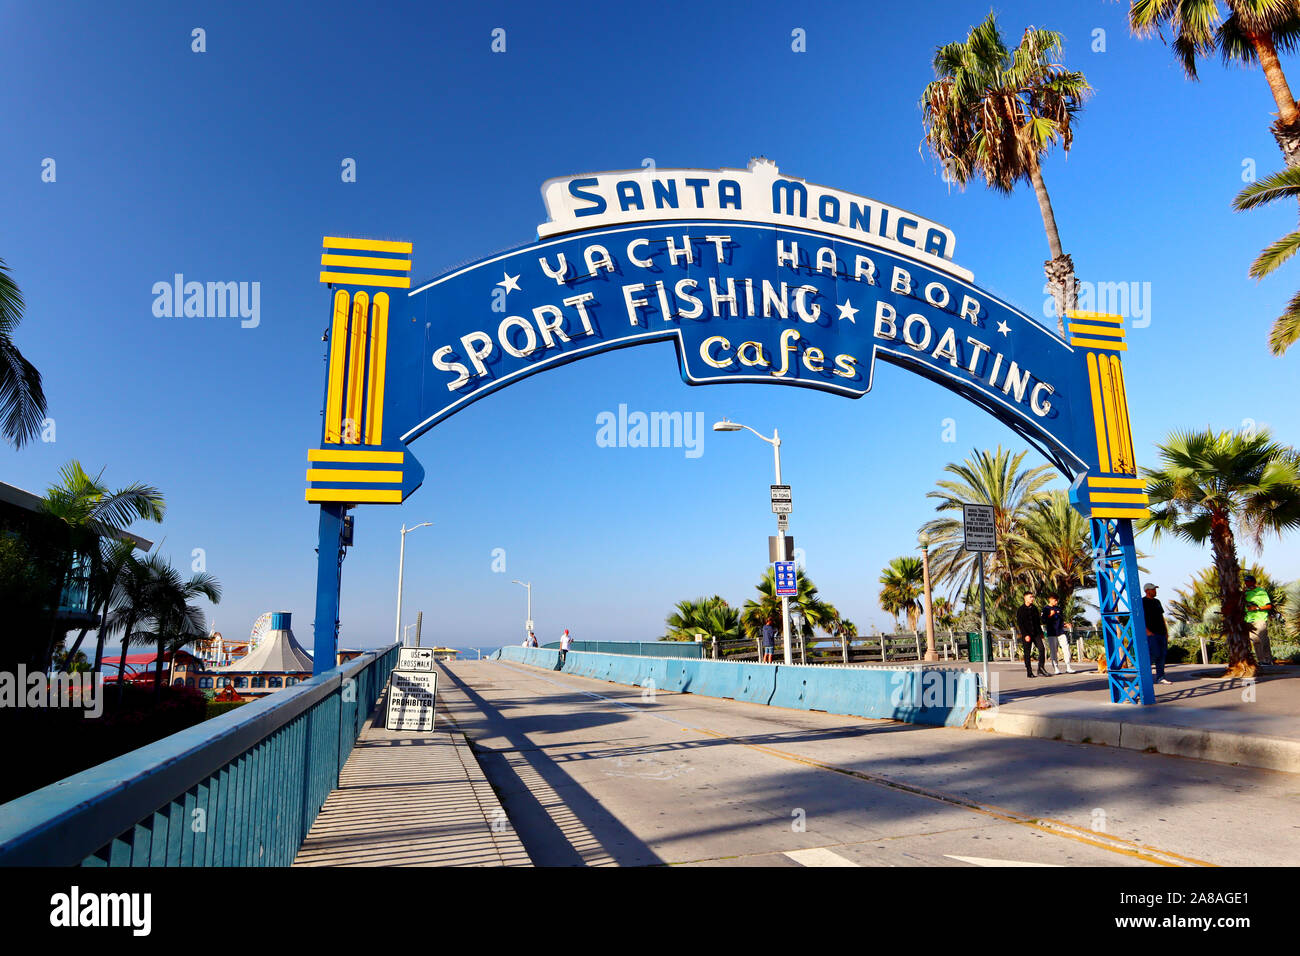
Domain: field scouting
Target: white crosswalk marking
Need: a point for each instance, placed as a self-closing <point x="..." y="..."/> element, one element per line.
<point x="818" y="856"/>
<point x="984" y="861"/>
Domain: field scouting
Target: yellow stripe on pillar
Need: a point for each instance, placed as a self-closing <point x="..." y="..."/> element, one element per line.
<point x="355" y="495"/>
<point x="338" y="359"/>
<point x="1108" y="406"/>
<point x="356" y="369"/>
<point x="378" y="357"/>
<point x="1103" y="456"/>
<point x="1128" y="459"/>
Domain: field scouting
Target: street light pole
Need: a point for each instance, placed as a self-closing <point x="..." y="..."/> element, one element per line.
<point x="930" y="653"/>
<point x="775" y="442"/>
<point x="401" y="570"/>
<point x="529" y="621"/>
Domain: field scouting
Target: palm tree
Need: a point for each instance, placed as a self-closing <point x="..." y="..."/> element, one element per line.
<point x="712" y="616"/>
<point x="945" y="615"/>
<point x="843" y="630"/>
<point x="817" y="613"/>
<point x="995" y="112"/>
<point x="1212" y="486"/>
<point x="176" y="621"/>
<point x="991" y="478"/>
<point x="118" y="556"/>
<point x="135" y="596"/>
<point x="93" y="514"/>
<point x="22" y="400"/>
<point x="902" y="583"/>
<point x="1198" y="609"/>
<point x="1058" y="547"/>
<point x="1253" y="33"/>
<point x="1283" y="185"/>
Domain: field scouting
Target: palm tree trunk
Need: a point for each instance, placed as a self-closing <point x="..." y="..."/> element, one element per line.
<point x="1060" y="268"/>
<point x="99" y="637"/>
<point x="1287" y="128"/>
<point x="121" y="669"/>
<point x="1241" y="658"/>
<point x="158" y="664"/>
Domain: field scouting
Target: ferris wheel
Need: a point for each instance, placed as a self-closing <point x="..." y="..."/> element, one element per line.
<point x="261" y="627"/>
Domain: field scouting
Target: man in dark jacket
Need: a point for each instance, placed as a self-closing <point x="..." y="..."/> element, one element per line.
<point x="1029" y="628"/>
<point x="1157" y="632"/>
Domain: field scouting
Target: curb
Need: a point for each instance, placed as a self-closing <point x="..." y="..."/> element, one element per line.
<point x="1219" y="746"/>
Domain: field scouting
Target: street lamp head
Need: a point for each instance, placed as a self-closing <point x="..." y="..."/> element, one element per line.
<point x="924" y="539"/>
<point x="726" y="426"/>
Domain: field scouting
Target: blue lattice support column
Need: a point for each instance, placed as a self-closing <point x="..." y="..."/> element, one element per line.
<point x="1128" y="663"/>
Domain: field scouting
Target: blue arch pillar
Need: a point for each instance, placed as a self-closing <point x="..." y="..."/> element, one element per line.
<point x="329" y="581"/>
<point x="1123" y="625"/>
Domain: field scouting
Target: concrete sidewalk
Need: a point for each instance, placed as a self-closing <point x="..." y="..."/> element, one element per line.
<point x="1251" y="723"/>
<point x="412" y="799"/>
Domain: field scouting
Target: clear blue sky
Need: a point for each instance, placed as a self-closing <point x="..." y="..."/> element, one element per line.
<point x="225" y="165"/>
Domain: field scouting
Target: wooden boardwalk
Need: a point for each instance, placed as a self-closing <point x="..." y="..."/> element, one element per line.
<point x="411" y="799"/>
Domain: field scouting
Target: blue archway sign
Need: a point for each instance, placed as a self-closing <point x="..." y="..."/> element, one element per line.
<point x="755" y="276"/>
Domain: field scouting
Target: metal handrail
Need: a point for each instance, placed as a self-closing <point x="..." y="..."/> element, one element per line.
<point x="69" y="821"/>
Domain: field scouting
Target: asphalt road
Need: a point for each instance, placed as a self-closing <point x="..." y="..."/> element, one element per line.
<point x="599" y="774"/>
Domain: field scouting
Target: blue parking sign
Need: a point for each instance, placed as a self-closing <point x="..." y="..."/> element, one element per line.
<point x="786" y="585"/>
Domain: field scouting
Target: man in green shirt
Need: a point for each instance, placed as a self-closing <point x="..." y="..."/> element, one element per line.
<point x="1258" y="604"/>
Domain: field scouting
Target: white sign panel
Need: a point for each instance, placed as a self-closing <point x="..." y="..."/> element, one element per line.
<point x="979" y="528"/>
<point x="780" y="492"/>
<point x="759" y="193"/>
<point x="782" y="507"/>
<point x="411" y="699"/>
<point x="415" y="659"/>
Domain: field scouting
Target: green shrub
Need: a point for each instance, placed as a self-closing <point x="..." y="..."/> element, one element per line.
<point x="1177" y="654"/>
<point x="1286" y="653"/>
<point x="218" y="707"/>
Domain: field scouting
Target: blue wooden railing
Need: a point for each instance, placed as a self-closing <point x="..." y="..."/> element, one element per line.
<point x="241" y="789"/>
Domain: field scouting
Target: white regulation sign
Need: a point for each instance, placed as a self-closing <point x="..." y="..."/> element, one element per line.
<point x="411" y="698"/>
<point x="415" y="659"/>
<point x="979" y="528"/>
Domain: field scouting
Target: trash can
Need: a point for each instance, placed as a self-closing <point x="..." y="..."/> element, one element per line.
<point x="974" y="647"/>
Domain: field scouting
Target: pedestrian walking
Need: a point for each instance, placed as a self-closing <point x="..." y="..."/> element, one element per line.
<point x="1029" y="626"/>
<point x="769" y="640"/>
<point x="1258" y="604"/>
<point x="565" y="643"/>
<point x="1054" y="626"/>
<point x="532" y="639"/>
<point x="1157" y="631"/>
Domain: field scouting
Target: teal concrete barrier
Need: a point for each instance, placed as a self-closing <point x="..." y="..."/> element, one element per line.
<point x="937" y="696"/>
<point x="690" y="650"/>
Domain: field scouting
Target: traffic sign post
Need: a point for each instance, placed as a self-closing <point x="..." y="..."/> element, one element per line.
<point x="979" y="533"/>
<point x="787" y="584"/>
